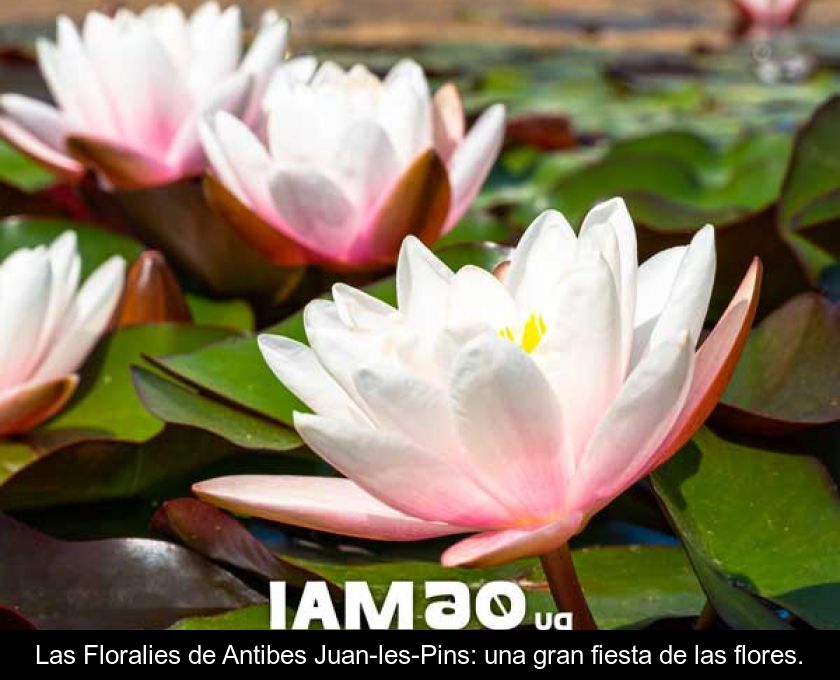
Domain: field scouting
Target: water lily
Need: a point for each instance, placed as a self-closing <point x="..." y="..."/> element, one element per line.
<point x="48" y="325"/>
<point x="512" y="405"/>
<point x="130" y="90"/>
<point x="760" y="16"/>
<point x="350" y="164"/>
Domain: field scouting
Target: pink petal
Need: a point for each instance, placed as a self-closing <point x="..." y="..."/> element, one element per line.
<point x="473" y="159"/>
<point x="714" y="365"/>
<point x="30" y="404"/>
<point x="24" y="141"/>
<point x="320" y="503"/>
<point x="447" y="121"/>
<point x="492" y="548"/>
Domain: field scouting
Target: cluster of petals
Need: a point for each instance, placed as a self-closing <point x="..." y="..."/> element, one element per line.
<point x="130" y="91"/>
<point x="349" y="164"/>
<point x="511" y="405"/>
<point x="48" y="325"/>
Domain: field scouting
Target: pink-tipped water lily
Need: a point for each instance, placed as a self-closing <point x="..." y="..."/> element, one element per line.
<point x="130" y="90"/>
<point x="48" y="325"/>
<point x="760" y="16"/>
<point x="350" y="164"/>
<point x="511" y="406"/>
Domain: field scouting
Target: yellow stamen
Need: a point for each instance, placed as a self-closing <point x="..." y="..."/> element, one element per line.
<point x="532" y="332"/>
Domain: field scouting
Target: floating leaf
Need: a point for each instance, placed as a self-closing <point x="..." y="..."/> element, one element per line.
<point x="115" y="583"/>
<point x="768" y="522"/>
<point x="218" y="536"/>
<point x="788" y="376"/>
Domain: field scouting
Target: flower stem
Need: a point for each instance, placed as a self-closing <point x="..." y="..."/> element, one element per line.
<point x="707" y="619"/>
<point x="565" y="587"/>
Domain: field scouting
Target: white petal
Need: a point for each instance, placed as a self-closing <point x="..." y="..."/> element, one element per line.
<point x="360" y="311"/>
<point x="544" y="253"/>
<point x="580" y="353"/>
<point x="381" y="463"/>
<point x="653" y="287"/>
<point x="238" y="153"/>
<point x="315" y="208"/>
<point x="297" y="367"/>
<point x="478" y="302"/>
<point x="636" y="423"/>
<point x="473" y="159"/>
<point x="422" y="283"/>
<point x="614" y="216"/>
<point x="86" y="320"/>
<point x="25" y="283"/>
<point x="186" y="152"/>
<point x="689" y="299"/>
<point x="509" y="421"/>
<point x="265" y="53"/>
<point x="42" y="120"/>
<point x="216" y="42"/>
<point x="366" y="164"/>
<point x="74" y="82"/>
<point x="405" y="111"/>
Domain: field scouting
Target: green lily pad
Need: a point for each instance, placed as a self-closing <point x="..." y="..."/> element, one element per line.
<point x="234" y="314"/>
<point x="21" y="171"/>
<point x="105" y="404"/>
<point x="788" y="376"/>
<point x="768" y="522"/>
<point x="181" y="405"/>
<point x="95" y="245"/>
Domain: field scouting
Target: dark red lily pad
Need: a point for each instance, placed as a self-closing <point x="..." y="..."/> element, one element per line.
<point x="218" y="536"/>
<point x="788" y="376"/>
<point x="114" y="583"/>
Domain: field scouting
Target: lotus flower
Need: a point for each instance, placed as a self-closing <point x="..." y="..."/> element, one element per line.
<point x="131" y="89"/>
<point x="512" y="407"/>
<point x="351" y="165"/>
<point x="48" y="325"/>
<point x="768" y="15"/>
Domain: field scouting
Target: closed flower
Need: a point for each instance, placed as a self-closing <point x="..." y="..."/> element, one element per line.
<point x="48" y="325"/>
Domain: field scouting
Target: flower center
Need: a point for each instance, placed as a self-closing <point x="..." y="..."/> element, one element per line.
<point x="532" y="332"/>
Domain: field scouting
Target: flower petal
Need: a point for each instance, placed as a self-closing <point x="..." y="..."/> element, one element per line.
<point x="416" y="204"/>
<point x="422" y="282"/>
<point x="509" y="423"/>
<point x="25" y="286"/>
<point x="715" y="364"/>
<point x="27" y="406"/>
<point x="316" y="209"/>
<point x="493" y="548"/>
<point x="473" y="159"/>
<point x="655" y="281"/>
<point x="16" y="134"/>
<point x="544" y="253"/>
<point x="689" y="299"/>
<point x="382" y="463"/>
<point x="635" y="425"/>
<point x="580" y="353"/>
<point x="615" y="217"/>
<point x="323" y="504"/>
<point x="447" y="121"/>
<point x="86" y="319"/>
<point x="296" y="366"/>
<point x="121" y="167"/>
<point x="266" y="52"/>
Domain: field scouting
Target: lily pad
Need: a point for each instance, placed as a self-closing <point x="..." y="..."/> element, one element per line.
<point x="788" y="376"/>
<point x="768" y="522"/>
<point x="115" y="583"/>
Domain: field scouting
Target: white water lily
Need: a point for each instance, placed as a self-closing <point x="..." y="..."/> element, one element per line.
<point x="512" y="406"/>
<point x="130" y="90"/>
<point x="351" y="164"/>
<point x="48" y="325"/>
